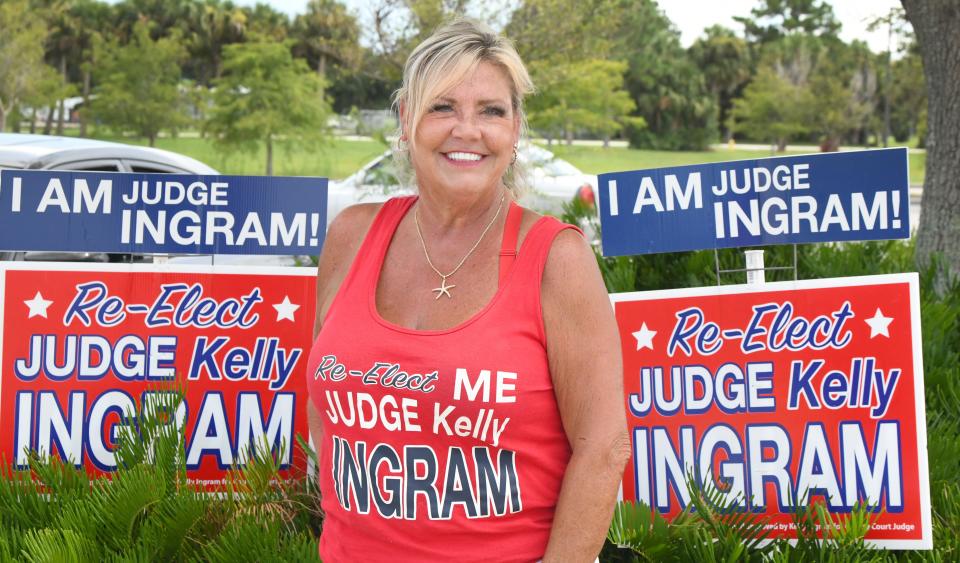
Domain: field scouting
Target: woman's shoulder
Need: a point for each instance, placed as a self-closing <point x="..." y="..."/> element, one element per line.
<point x="570" y="260"/>
<point x="345" y="235"/>
<point x="352" y="220"/>
<point x="348" y="229"/>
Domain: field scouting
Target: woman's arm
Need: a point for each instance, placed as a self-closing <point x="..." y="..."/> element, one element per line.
<point x="583" y="348"/>
<point x="343" y="240"/>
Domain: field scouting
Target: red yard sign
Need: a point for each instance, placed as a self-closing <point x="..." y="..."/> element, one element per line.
<point x="781" y="395"/>
<point x="82" y="345"/>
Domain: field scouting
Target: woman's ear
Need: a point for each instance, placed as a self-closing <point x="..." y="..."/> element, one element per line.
<point x="402" y="108"/>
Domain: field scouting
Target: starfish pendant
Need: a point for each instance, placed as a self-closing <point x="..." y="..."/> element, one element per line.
<point x="444" y="289"/>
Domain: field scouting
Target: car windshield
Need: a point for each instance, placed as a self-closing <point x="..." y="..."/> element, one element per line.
<point x="557" y="167"/>
<point x="383" y="173"/>
<point x="542" y="162"/>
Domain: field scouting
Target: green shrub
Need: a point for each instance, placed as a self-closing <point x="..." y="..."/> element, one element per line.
<point x="147" y="511"/>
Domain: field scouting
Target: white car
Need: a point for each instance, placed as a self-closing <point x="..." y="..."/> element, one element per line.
<point x="44" y="152"/>
<point x="553" y="182"/>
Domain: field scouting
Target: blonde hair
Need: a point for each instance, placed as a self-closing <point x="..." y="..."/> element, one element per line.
<point x="441" y="62"/>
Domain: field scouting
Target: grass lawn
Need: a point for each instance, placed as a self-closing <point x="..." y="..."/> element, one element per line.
<point x="595" y="160"/>
<point x="340" y="158"/>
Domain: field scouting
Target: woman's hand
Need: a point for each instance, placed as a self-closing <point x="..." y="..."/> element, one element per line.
<point x="583" y="348"/>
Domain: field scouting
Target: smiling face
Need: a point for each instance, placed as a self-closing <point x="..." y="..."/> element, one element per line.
<point x="464" y="142"/>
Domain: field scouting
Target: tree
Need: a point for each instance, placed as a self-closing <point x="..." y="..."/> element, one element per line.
<point x="565" y="46"/>
<point x="830" y="87"/>
<point x="771" y="109"/>
<point x="937" y="28"/>
<point x="836" y="107"/>
<point x="908" y="98"/>
<point x="89" y="16"/>
<point x="586" y="95"/>
<point x="137" y="85"/>
<point x="265" y="96"/>
<point x="163" y="16"/>
<point x="328" y="36"/>
<point x="61" y="44"/>
<point x="548" y="32"/>
<point x="267" y="23"/>
<point x="46" y="90"/>
<point x="727" y="66"/>
<point x="667" y="87"/>
<point x="774" y="19"/>
<point x="894" y="21"/>
<point x="211" y="25"/>
<point x="400" y="25"/>
<point x="21" y="55"/>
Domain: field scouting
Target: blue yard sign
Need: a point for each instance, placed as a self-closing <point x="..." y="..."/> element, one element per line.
<point x="844" y="196"/>
<point x="161" y="213"/>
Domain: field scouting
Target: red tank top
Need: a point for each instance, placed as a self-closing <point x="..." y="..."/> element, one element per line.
<point x="438" y="444"/>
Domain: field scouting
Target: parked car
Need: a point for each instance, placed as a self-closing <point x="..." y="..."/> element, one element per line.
<point x="45" y="152"/>
<point x="553" y="182"/>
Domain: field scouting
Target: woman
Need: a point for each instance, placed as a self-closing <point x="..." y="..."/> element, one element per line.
<point x="465" y="380"/>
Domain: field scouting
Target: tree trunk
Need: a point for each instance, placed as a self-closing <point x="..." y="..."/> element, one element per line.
<point x="937" y="27"/>
<point x="61" y="108"/>
<point x="86" y="103"/>
<point x="33" y="120"/>
<point x="61" y="104"/>
<point x="152" y="139"/>
<point x="269" y="155"/>
<point x="888" y="71"/>
<point x="830" y="143"/>
<point x="3" y="120"/>
<point x="48" y="123"/>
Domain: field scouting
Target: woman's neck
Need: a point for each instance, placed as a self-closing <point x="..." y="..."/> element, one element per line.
<point x="442" y="213"/>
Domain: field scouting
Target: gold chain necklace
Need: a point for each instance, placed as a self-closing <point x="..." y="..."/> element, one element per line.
<point x="444" y="289"/>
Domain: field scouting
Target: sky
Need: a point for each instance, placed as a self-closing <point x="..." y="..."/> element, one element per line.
<point x="693" y="16"/>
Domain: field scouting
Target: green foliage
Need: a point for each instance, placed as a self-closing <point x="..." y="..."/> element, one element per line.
<point x="712" y="529"/>
<point x="206" y="30"/>
<point x="21" y="55"/>
<point x="266" y="96"/>
<point x="908" y="98"/>
<point x="773" y="19"/>
<point x="770" y="109"/>
<point x="667" y="90"/>
<point x="582" y="96"/>
<point x="137" y="85"/>
<point x="147" y="511"/>
<point x="645" y="532"/>
<point x="808" y="88"/>
<point x="727" y="66"/>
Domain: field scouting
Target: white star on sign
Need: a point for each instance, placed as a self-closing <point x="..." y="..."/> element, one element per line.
<point x="38" y="306"/>
<point x="879" y="324"/>
<point x="644" y="337"/>
<point x="285" y="309"/>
